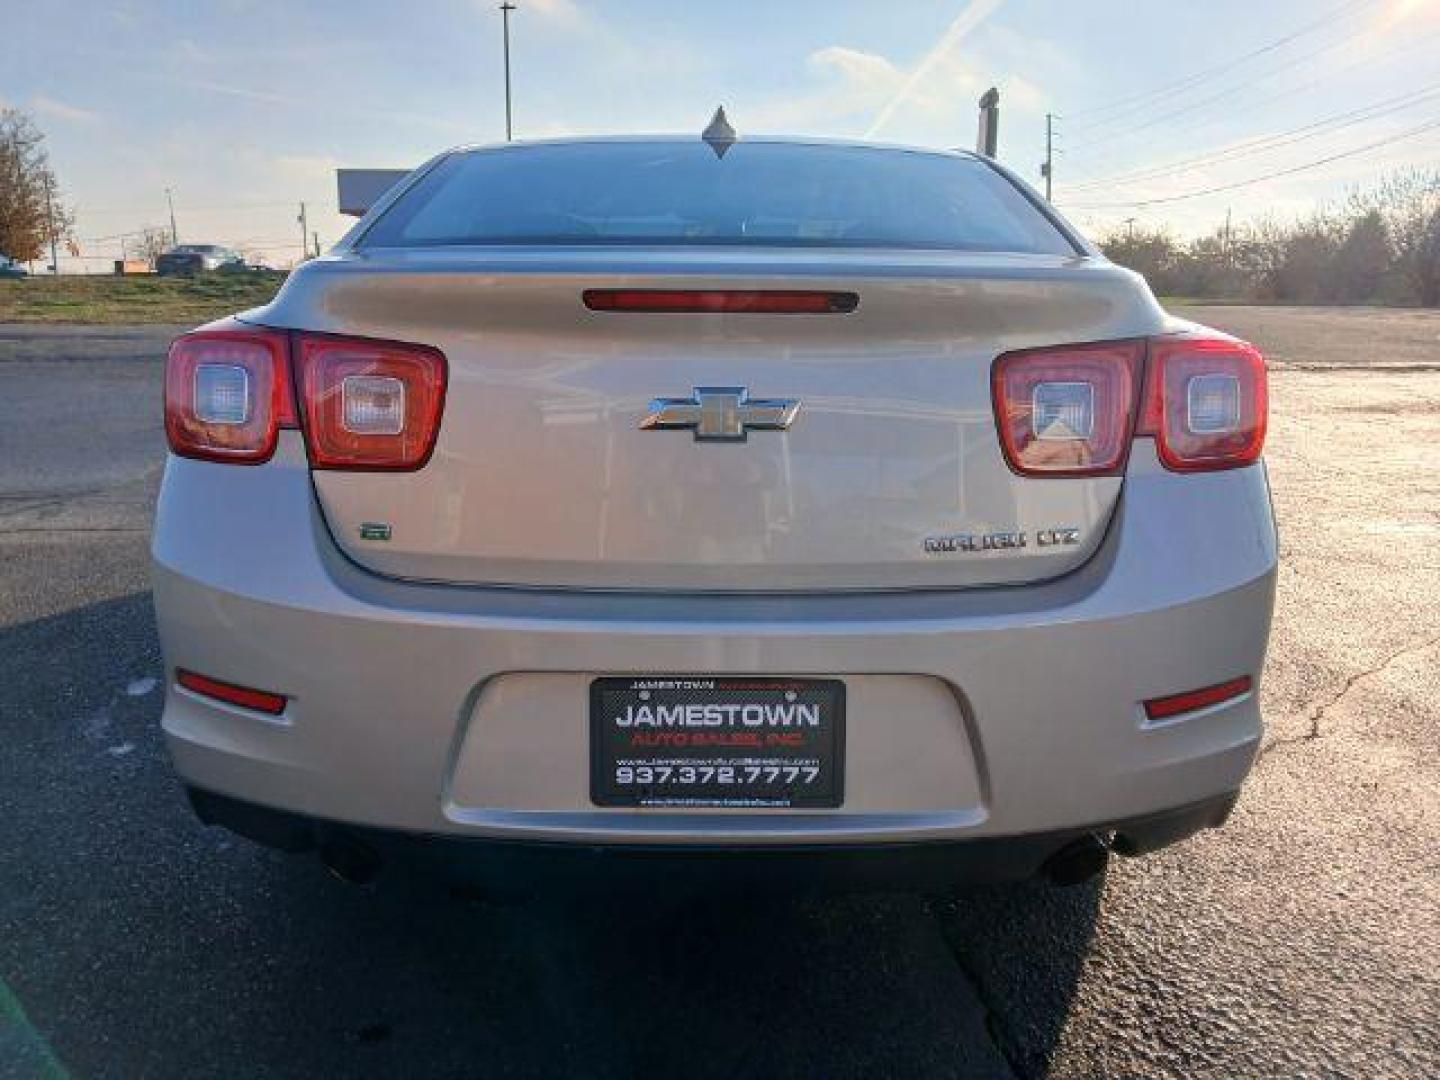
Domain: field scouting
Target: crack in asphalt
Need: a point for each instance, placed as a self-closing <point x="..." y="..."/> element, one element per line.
<point x="1317" y="714"/>
<point x="994" y="1016"/>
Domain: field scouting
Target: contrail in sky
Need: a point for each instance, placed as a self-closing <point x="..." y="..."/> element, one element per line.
<point x="976" y="12"/>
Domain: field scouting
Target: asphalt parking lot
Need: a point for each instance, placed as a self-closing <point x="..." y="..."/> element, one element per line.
<point x="1303" y="939"/>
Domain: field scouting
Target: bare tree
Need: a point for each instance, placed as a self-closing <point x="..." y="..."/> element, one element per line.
<point x="1425" y="265"/>
<point x="149" y="244"/>
<point x="1409" y="202"/>
<point x="1379" y="244"/>
<point x="1147" y="252"/>
<point x="31" y="215"/>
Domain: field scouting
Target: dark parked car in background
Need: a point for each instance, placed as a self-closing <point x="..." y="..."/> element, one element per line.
<point x="197" y="258"/>
<point x="9" y="268"/>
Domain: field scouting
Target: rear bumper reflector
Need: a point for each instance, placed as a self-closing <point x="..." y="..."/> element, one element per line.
<point x="1166" y="707"/>
<point x="751" y="301"/>
<point x="244" y="696"/>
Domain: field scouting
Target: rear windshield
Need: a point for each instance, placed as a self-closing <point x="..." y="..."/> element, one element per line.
<point x="758" y="193"/>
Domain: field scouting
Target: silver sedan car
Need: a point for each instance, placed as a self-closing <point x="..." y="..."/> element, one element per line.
<point x="822" y="511"/>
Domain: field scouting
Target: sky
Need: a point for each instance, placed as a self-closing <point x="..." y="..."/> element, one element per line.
<point x="245" y="108"/>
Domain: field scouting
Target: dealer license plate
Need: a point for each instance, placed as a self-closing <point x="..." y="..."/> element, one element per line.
<point x="708" y="741"/>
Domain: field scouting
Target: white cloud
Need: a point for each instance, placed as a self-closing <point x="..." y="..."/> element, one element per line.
<point x="975" y="13"/>
<point x="60" y="110"/>
<point x="193" y="52"/>
<point x="315" y="104"/>
<point x="861" y="69"/>
<point x="561" y="14"/>
<point x="564" y="12"/>
<point x="852" y="85"/>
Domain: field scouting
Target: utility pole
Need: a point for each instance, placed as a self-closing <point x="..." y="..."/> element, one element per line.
<point x="304" y="234"/>
<point x="505" y="10"/>
<point x="316" y="235"/>
<point x="1047" y="170"/>
<point x="1227" y="237"/>
<point x="174" y="233"/>
<point x="1130" y="228"/>
<point x="50" y="213"/>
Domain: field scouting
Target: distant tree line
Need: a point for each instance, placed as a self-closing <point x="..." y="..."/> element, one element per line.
<point x="1381" y="245"/>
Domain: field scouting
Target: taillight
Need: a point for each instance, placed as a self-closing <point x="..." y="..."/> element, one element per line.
<point x="1071" y="410"/>
<point x="369" y="404"/>
<point x="1205" y="402"/>
<point x="227" y="394"/>
<point x="1068" y="410"/>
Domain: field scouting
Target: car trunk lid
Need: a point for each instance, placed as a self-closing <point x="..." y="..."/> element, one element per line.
<point x="547" y="473"/>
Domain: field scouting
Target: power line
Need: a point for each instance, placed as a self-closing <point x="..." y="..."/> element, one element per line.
<point x="1328" y="79"/>
<point x="1265" y="143"/>
<point x="1421" y="129"/>
<point x="1228" y="92"/>
<point x="1169" y="89"/>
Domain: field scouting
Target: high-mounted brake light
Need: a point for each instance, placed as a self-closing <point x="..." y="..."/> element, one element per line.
<point x="1205" y="402"/>
<point x="369" y="404"/>
<point x="752" y="301"/>
<point x="231" y="693"/>
<point x="227" y="394"/>
<point x="1068" y="410"/>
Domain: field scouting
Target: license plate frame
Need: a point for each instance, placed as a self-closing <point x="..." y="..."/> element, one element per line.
<point x="728" y="732"/>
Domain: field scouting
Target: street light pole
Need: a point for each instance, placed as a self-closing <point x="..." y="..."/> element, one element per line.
<point x="1048" y="169"/>
<point x="174" y="234"/>
<point x="50" y="213"/>
<point x="505" y="10"/>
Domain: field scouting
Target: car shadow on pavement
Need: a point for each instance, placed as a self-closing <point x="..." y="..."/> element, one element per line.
<point x="139" y="942"/>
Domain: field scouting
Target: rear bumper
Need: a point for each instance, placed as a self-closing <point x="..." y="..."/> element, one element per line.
<point x="460" y="712"/>
<point x="521" y="867"/>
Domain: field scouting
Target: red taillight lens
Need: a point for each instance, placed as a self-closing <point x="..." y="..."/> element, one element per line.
<point x="1069" y="410"/>
<point x="227" y="394"/>
<point x="754" y="301"/>
<point x="369" y="404"/>
<point x="244" y="696"/>
<point x="1205" y="402"/>
<point x="1175" y="704"/>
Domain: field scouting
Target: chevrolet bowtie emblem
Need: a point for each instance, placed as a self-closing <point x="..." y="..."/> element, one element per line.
<point x="722" y="413"/>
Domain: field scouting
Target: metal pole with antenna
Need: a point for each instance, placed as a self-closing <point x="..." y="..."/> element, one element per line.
<point x="505" y="10"/>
